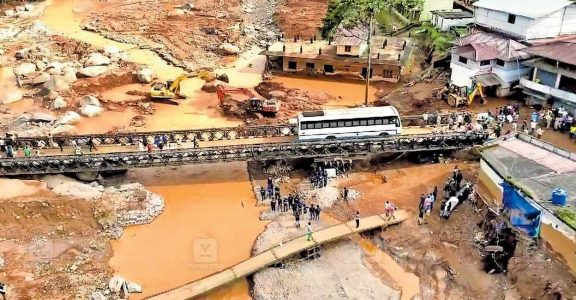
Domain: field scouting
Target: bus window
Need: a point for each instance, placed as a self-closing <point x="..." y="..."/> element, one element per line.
<point x="370" y="122"/>
<point x="317" y="125"/>
<point x="363" y="122"/>
<point x="378" y="121"/>
<point x="325" y="124"/>
<point x="341" y="124"/>
<point x="333" y="124"/>
<point x="349" y="123"/>
<point x="385" y="121"/>
<point x="304" y="126"/>
<point x="355" y="122"/>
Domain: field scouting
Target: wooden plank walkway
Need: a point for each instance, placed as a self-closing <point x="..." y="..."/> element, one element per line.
<point x="276" y="254"/>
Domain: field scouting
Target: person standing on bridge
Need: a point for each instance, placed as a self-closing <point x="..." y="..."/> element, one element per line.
<point x="357" y="219"/>
<point x="150" y="147"/>
<point x="27" y="151"/>
<point x="262" y="193"/>
<point x="297" y="217"/>
<point x="309" y="232"/>
<point x="389" y="209"/>
<point x="91" y="144"/>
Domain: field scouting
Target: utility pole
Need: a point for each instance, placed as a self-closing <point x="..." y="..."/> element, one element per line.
<point x="368" y="72"/>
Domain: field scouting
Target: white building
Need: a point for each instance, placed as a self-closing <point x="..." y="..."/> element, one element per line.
<point x="445" y="19"/>
<point x="489" y="59"/>
<point x="527" y="19"/>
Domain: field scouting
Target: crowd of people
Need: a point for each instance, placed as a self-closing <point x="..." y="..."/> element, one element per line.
<point x="455" y="192"/>
<point x="292" y="202"/>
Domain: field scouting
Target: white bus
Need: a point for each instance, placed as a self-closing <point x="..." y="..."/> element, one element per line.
<point x="348" y="123"/>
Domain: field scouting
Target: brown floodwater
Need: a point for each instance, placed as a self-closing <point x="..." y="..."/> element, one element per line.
<point x="209" y="206"/>
<point x="349" y="93"/>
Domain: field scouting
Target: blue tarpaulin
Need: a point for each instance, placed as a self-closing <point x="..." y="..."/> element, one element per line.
<point x="523" y="215"/>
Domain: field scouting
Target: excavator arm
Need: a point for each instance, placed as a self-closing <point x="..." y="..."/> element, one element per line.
<point x="478" y="89"/>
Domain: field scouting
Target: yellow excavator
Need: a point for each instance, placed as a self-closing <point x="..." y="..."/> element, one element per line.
<point x="167" y="91"/>
<point x="457" y="96"/>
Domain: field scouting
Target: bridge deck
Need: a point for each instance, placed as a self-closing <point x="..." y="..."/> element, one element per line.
<point x="276" y="254"/>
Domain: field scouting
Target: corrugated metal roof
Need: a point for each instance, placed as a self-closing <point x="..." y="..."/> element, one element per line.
<point x="563" y="51"/>
<point x="453" y="14"/>
<point x="348" y="41"/>
<point x="528" y="8"/>
<point x="489" y="79"/>
<point x="350" y="37"/>
<point x="492" y="46"/>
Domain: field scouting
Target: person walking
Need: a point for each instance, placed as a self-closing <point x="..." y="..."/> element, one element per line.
<point x="91" y="144"/>
<point x="297" y="217"/>
<point x="309" y="232"/>
<point x="346" y="191"/>
<point x="61" y="145"/>
<point x="357" y="219"/>
<point x="262" y="194"/>
<point x="273" y="205"/>
<point x="312" y="212"/>
<point x="459" y="178"/>
<point x="435" y="192"/>
<point x="427" y="206"/>
<point x="539" y="133"/>
<point x="317" y="212"/>
<point x="389" y="209"/>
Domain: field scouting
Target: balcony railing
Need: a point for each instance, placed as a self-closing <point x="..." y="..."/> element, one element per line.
<point x="557" y="93"/>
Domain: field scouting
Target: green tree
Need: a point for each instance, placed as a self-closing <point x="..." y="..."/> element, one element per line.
<point x="349" y="13"/>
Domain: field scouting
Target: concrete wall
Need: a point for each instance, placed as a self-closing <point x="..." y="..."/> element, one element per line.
<point x="562" y="21"/>
<point x="354" y="51"/>
<point x="430" y="5"/>
<point x="498" y="20"/>
<point x="546" y="78"/>
<point x="560" y="242"/>
<point x="491" y="181"/>
<point x="445" y="24"/>
<point x="569" y="22"/>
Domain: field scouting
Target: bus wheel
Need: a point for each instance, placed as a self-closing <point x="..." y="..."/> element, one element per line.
<point x="330" y="137"/>
<point x="384" y="134"/>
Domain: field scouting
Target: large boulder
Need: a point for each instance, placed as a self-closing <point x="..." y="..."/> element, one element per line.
<point x="111" y="50"/>
<point x="97" y="296"/>
<point x="90" y="111"/>
<point x="69" y="74"/>
<point x="115" y="284"/>
<point x="89" y="100"/>
<point x="25" y="69"/>
<point x="63" y="129"/>
<point x="41" y="78"/>
<point x="229" y="49"/>
<point x="42" y="117"/>
<point x="69" y="118"/>
<point x="54" y="68"/>
<point x="9" y="13"/>
<point x="92" y="71"/>
<point x="40" y="65"/>
<point x="58" y="103"/>
<point x="12" y="96"/>
<point x="52" y="95"/>
<point x="56" y="83"/>
<point x="96" y="59"/>
<point x="145" y="75"/>
<point x="133" y="287"/>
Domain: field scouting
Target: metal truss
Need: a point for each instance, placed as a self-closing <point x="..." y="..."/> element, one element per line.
<point x="252" y="152"/>
<point x="173" y="136"/>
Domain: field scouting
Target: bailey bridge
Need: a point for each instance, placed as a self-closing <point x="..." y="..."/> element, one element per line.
<point x="248" y="152"/>
<point x="275" y="255"/>
<point x="173" y="136"/>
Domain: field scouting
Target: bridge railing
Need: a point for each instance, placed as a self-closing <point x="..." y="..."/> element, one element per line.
<point x="251" y="152"/>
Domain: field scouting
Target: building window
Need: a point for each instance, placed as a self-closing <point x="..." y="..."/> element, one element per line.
<point x="463" y="60"/>
<point x="347" y="48"/>
<point x="500" y="62"/>
<point x="484" y="62"/>
<point x="511" y="18"/>
<point x="329" y="68"/>
<point x="292" y="65"/>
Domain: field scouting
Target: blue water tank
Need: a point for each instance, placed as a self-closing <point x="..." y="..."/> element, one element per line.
<point x="559" y="197"/>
